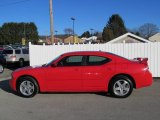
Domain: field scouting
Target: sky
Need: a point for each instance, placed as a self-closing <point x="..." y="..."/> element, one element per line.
<point x="88" y="14"/>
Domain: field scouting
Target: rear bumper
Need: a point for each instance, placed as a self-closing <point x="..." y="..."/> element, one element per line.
<point x="145" y="81"/>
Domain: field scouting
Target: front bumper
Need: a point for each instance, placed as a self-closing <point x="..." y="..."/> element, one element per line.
<point x="12" y="84"/>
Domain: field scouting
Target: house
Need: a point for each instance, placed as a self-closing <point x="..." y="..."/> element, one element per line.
<point x="72" y="40"/>
<point x="92" y="39"/>
<point x="155" y="38"/>
<point x="129" y="38"/>
<point x="66" y="39"/>
<point x="47" y="39"/>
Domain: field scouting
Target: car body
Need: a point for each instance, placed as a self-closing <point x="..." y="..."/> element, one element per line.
<point x="17" y="55"/>
<point x="88" y="71"/>
<point x="2" y="63"/>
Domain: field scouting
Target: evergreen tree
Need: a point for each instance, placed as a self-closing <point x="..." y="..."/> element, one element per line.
<point x="86" y="34"/>
<point x="11" y="33"/>
<point x="114" y="28"/>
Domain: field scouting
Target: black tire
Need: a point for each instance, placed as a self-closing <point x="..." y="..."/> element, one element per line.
<point x="1" y="68"/>
<point x="121" y="87"/>
<point x="27" y="87"/>
<point x="21" y="62"/>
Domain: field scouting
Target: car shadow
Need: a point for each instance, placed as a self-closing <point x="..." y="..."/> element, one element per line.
<point x="104" y="94"/>
<point x="16" y="66"/>
<point x="4" y="85"/>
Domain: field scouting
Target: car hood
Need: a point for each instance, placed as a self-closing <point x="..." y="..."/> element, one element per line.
<point x="28" y="68"/>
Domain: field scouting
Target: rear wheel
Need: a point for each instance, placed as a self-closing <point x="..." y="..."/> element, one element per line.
<point x="1" y="68"/>
<point x="27" y="87"/>
<point x="121" y="87"/>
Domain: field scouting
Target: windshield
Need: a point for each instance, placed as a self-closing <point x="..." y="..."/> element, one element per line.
<point x="48" y="64"/>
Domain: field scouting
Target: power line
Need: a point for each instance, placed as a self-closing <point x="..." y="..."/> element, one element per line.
<point x="13" y="3"/>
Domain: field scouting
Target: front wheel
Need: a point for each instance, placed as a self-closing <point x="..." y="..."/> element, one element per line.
<point x="27" y="87"/>
<point x="121" y="87"/>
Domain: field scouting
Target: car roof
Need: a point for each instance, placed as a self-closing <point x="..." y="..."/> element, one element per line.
<point x="98" y="53"/>
<point x="86" y="53"/>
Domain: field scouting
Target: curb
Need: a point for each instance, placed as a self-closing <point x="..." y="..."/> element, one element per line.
<point x="5" y="78"/>
<point x="6" y="75"/>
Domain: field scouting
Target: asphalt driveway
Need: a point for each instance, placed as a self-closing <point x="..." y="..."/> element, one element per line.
<point x="143" y="104"/>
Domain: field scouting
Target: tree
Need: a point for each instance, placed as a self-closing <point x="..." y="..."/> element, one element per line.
<point x="31" y="33"/>
<point x="147" y="30"/>
<point x="134" y="31"/>
<point x="107" y="34"/>
<point x="86" y="34"/>
<point x="114" y="28"/>
<point x="68" y="31"/>
<point x="11" y="33"/>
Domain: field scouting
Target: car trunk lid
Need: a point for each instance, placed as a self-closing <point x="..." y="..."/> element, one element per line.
<point x="141" y="60"/>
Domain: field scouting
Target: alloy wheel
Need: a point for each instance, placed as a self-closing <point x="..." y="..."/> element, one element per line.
<point x="27" y="88"/>
<point x="121" y="88"/>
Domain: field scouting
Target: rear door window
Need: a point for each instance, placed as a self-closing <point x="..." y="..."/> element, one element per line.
<point x="97" y="60"/>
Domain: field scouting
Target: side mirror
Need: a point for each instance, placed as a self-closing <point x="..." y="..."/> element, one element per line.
<point x="53" y="65"/>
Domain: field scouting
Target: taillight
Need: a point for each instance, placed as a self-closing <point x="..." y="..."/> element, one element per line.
<point x="13" y="58"/>
<point x="146" y="68"/>
<point x="142" y="60"/>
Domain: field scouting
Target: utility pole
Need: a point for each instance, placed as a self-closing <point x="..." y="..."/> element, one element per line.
<point x="73" y="19"/>
<point x="91" y="31"/>
<point x="51" y="21"/>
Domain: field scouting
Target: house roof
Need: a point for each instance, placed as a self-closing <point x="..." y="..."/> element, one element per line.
<point x="130" y="35"/>
<point x="155" y="37"/>
<point x="70" y="39"/>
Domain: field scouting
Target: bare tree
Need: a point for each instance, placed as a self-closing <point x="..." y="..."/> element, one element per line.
<point x="68" y="31"/>
<point x="147" y="30"/>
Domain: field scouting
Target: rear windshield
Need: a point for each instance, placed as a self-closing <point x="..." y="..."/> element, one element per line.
<point x="117" y="55"/>
<point x="8" y="52"/>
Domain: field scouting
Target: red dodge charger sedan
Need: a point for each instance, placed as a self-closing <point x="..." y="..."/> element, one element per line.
<point x="88" y="71"/>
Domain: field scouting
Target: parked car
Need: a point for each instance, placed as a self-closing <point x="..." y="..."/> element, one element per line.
<point x="84" y="72"/>
<point x="2" y="63"/>
<point x="18" y="55"/>
<point x="1" y="50"/>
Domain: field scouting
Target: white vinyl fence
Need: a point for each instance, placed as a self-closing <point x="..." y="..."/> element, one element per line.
<point x="41" y="54"/>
